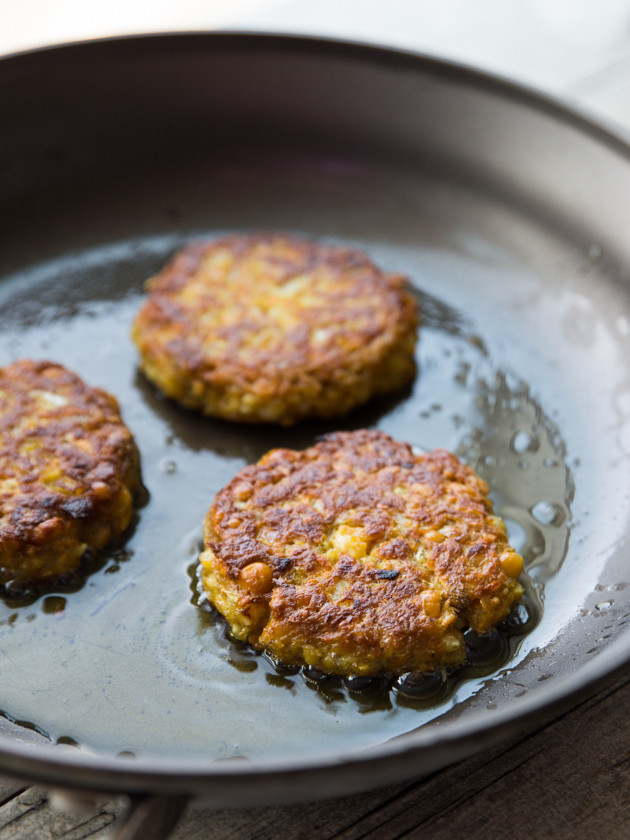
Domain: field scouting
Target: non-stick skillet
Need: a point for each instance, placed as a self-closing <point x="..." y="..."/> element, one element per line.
<point x="508" y="213"/>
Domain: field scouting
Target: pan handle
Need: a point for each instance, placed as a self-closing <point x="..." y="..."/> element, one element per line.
<point x="150" y="817"/>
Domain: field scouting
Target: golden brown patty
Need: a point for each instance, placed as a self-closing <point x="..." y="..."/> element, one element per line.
<point x="358" y="557"/>
<point x="275" y="328"/>
<point x="68" y="470"/>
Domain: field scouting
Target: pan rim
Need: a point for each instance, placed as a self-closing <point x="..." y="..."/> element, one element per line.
<point x="172" y="775"/>
<point x="569" y="111"/>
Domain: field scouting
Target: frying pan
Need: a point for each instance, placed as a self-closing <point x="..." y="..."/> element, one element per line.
<point x="507" y="211"/>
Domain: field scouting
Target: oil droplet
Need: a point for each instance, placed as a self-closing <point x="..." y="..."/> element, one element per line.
<point x="282" y="669"/>
<point x="15" y="591"/>
<point x="314" y="674"/>
<point x="603" y="605"/>
<point x="359" y="684"/>
<point x="523" y="442"/>
<point x="519" y="619"/>
<point x="419" y="685"/>
<point x="245" y="667"/>
<point x="279" y="681"/>
<point x="54" y="605"/>
<point x="547" y="513"/>
<point x="486" y="648"/>
<point x="67" y="740"/>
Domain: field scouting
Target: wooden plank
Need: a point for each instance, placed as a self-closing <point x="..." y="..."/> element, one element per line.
<point x="9" y="789"/>
<point x="29" y="816"/>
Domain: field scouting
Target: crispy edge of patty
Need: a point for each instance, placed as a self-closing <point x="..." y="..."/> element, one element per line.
<point x="70" y="470"/>
<point x="323" y="558"/>
<point x="294" y="377"/>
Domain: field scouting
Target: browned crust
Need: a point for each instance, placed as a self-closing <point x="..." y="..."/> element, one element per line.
<point x="379" y="557"/>
<point x="68" y="470"/>
<point x="274" y="327"/>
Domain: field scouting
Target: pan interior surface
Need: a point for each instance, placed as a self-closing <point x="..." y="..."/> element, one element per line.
<point x="522" y="372"/>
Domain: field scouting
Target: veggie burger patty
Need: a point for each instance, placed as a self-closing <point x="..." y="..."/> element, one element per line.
<point x="69" y="469"/>
<point x="275" y="328"/>
<point x="358" y="556"/>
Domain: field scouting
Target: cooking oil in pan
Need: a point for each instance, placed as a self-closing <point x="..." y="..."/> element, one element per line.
<point x="164" y="678"/>
<point x="515" y="447"/>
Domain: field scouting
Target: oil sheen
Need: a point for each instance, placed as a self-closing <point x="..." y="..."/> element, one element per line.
<point x="131" y="661"/>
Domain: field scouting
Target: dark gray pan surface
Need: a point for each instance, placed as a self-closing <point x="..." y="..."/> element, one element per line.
<point x="509" y="216"/>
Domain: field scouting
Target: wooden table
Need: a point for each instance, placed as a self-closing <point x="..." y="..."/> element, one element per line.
<point x="569" y="780"/>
